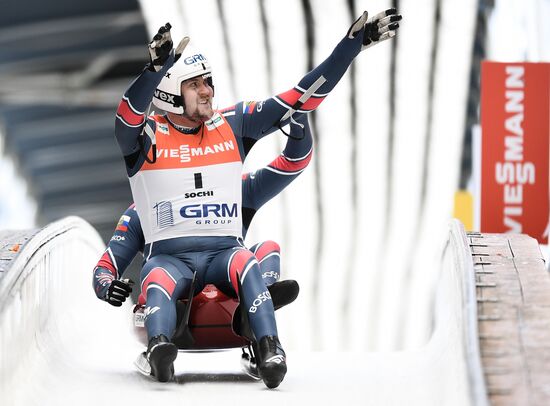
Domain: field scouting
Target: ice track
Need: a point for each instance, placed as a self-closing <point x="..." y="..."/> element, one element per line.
<point x="61" y="346"/>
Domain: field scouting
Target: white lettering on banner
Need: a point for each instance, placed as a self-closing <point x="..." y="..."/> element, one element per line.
<point x="184" y="152"/>
<point x="513" y="173"/>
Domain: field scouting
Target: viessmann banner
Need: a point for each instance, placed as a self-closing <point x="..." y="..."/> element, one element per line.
<point x="515" y="106"/>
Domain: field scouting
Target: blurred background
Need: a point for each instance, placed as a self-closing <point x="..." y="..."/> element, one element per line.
<point x="393" y="142"/>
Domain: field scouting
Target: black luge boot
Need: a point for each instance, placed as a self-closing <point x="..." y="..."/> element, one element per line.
<point x="272" y="361"/>
<point x="161" y="354"/>
<point x="283" y="292"/>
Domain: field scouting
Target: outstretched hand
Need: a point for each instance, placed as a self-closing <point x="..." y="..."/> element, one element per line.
<point x="161" y="46"/>
<point x="379" y="28"/>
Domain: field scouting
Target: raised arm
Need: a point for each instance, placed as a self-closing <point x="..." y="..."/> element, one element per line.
<point x="131" y="112"/>
<point x="255" y="119"/>
<point x="261" y="186"/>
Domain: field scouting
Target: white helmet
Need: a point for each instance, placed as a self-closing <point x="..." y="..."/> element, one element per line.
<point x="168" y="93"/>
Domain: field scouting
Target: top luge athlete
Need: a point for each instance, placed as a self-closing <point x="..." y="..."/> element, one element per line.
<point x="193" y="147"/>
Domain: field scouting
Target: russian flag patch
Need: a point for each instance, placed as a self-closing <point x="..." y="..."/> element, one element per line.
<point x="123" y="223"/>
<point x="248" y="107"/>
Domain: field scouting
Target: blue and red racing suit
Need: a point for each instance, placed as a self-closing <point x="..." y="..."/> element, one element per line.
<point x="190" y="200"/>
<point x="258" y="188"/>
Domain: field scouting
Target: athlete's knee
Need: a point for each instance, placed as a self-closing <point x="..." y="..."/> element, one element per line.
<point x="240" y="264"/>
<point x="266" y="249"/>
<point x="164" y="276"/>
<point x="158" y="278"/>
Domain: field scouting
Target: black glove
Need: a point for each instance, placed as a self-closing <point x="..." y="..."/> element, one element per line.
<point x="379" y="28"/>
<point x="118" y="291"/>
<point x="161" y="47"/>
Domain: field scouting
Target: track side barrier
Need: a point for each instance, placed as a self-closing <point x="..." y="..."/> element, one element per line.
<point x="464" y="268"/>
<point x="50" y="273"/>
<point x="447" y="369"/>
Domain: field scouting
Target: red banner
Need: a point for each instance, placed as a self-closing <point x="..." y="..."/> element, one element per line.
<point x="515" y="122"/>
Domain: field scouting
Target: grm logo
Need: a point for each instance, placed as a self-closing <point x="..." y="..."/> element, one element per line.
<point x="204" y="210"/>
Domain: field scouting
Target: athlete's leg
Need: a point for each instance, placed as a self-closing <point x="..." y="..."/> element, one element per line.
<point x="240" y="264"/>
<point x="268" y="254"/>
<point x="223" y="271"/>
<point x="164" y="279"/>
